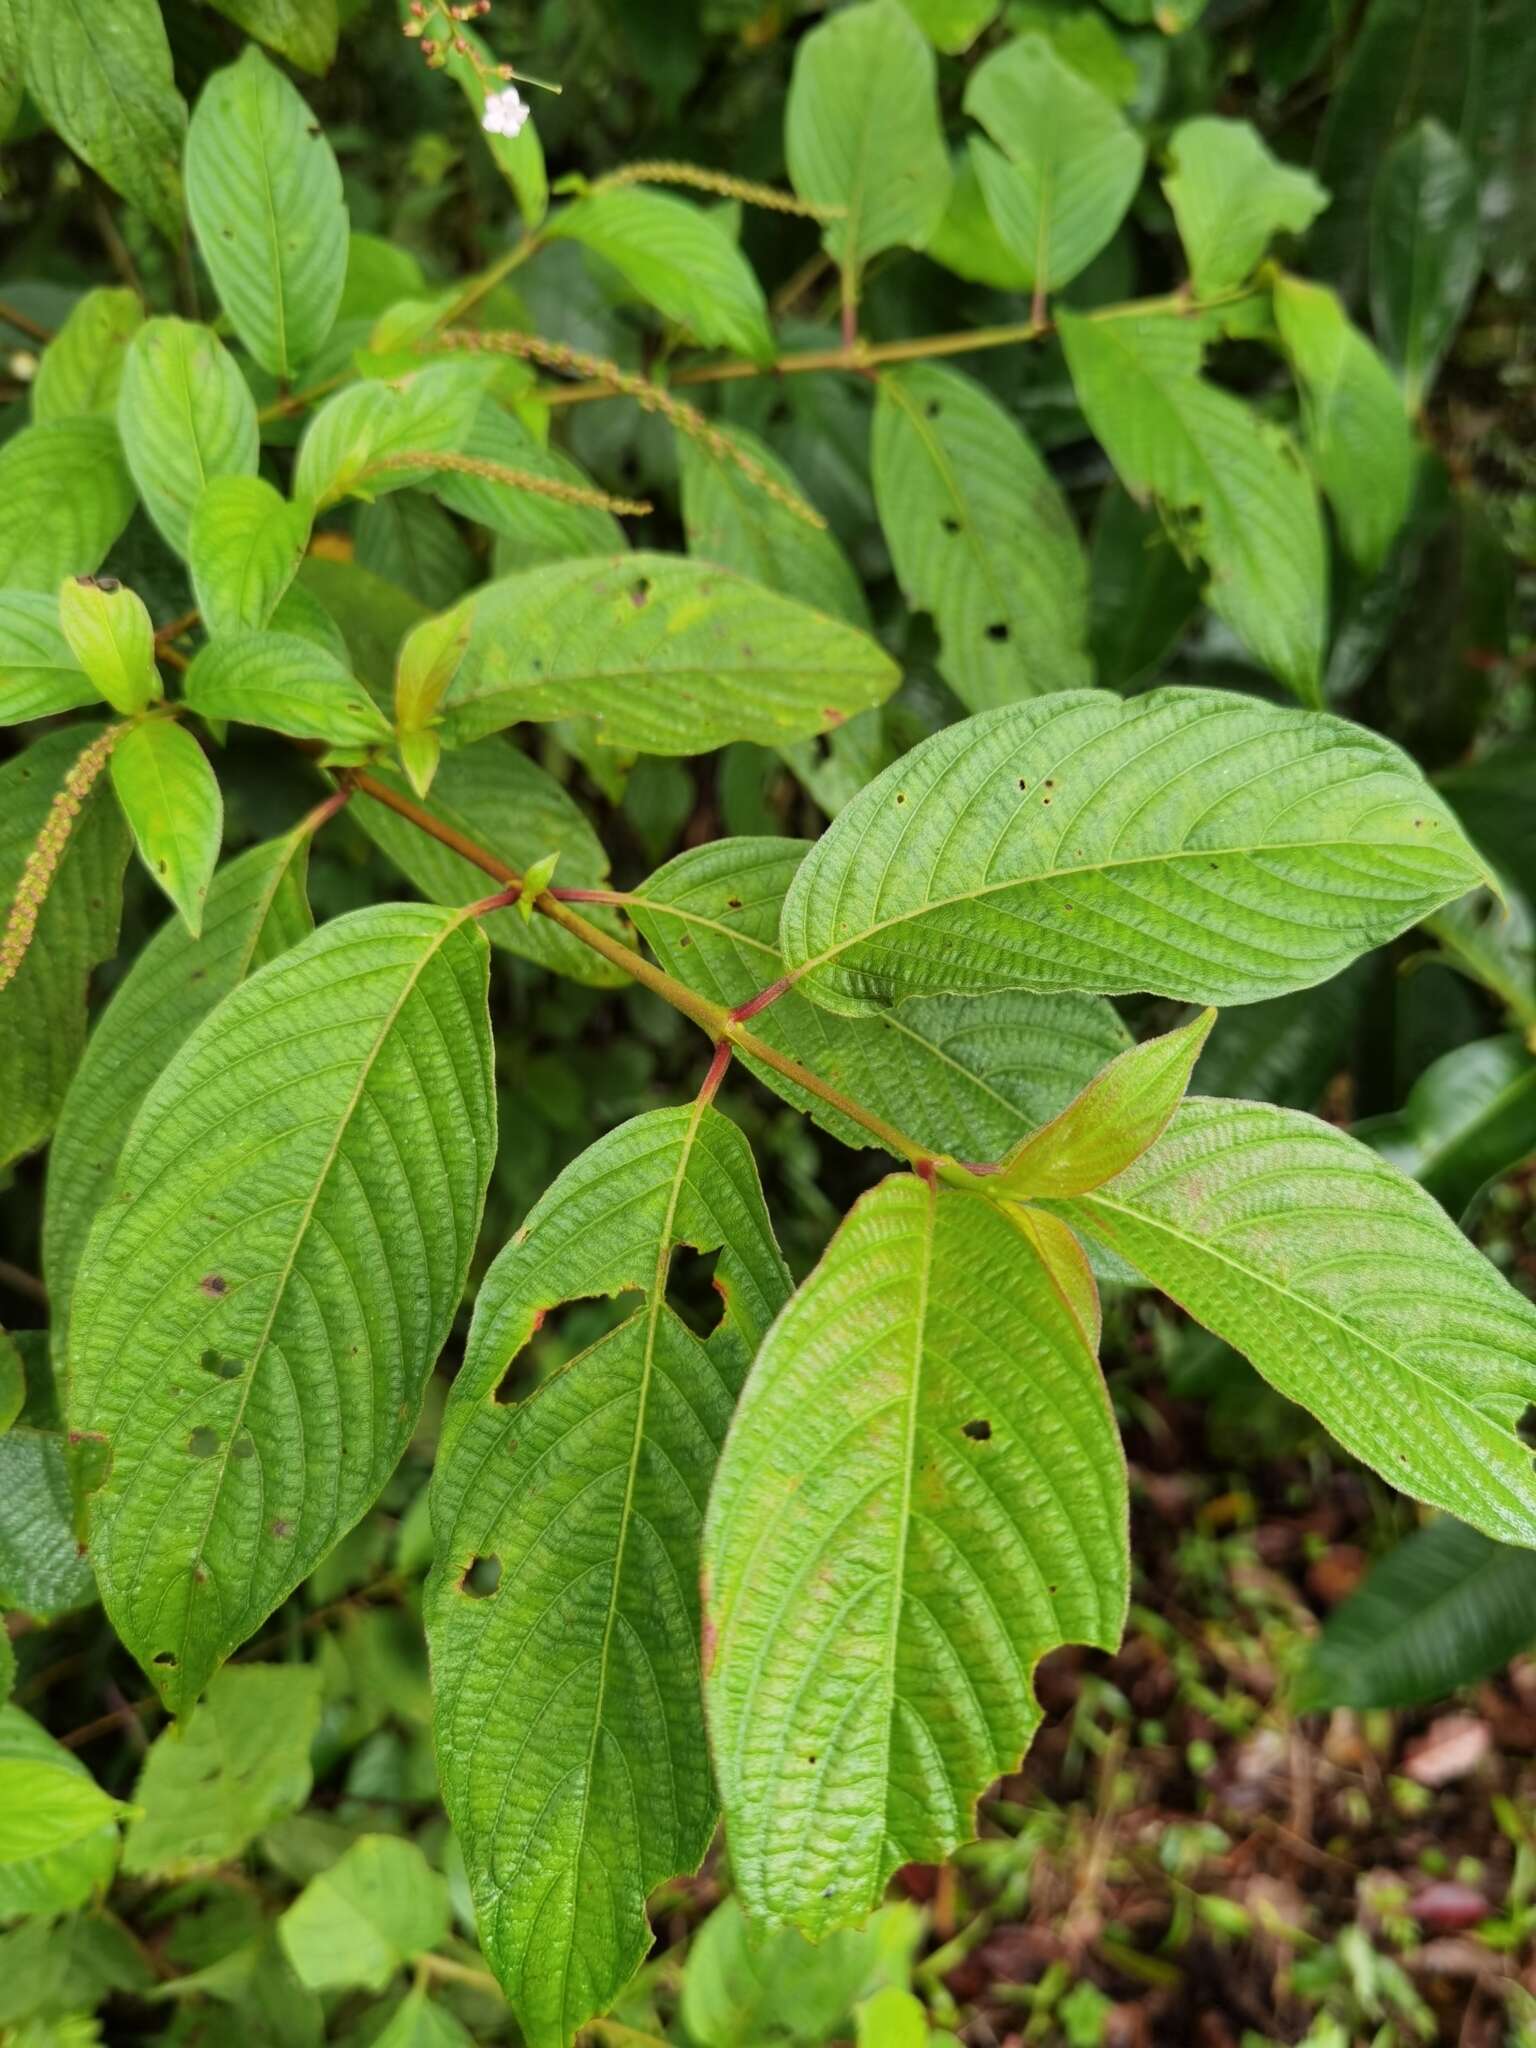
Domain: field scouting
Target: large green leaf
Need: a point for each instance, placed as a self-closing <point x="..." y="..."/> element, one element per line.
<point x="1426" y="252"/>
<point x="65" y="496"/>
<point x="570" y="1733"/>
<point x="1231" y="198"/>
<point x="1067" y="163"/>
<point x="1349" y="1288"/>
<point x="862" y="134"/>
<point x="1357" y="431"/>
<point x="39" y="674"/>
<point x="303" y="31"/>
<point x="112" y="636"/>
<point x="101" y="71"/>
<point x="920" y="1495"/>
<point x="1443" y="1609"/>
<point x="360" y="1922"/>
<point x="171" y="799"/>
<point x="82" y="367"/>
<point x="256" y="909"/>
<point x="504" y="802"/>
<point x="981" y="537"/>
<point x="1469" y="1119"/>
<point x="185" y="414"/>
<point x="43" y="1007"/>
<point x="1187" y="843"/>
<point x="244" y="547"/>
<point x="239" y="1762"/>
<point x="661" y="655"/>
<point x="680" y="259"/>
<point x="1231" y="486"/>
<point x="256" y="1314"/>
<point x="264" y="193"/>
<point x="730" y="519"/>
<point x="58" y="1829"/>
<point x="279" y="680"/>
<point x="968" y="1076"/>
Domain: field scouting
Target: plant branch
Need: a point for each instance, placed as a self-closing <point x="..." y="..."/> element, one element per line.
<point x="23" y="323"/>
<point x="721" y="1024"/>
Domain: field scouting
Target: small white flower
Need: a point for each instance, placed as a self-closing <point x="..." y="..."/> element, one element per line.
<point x="505" y="112"/>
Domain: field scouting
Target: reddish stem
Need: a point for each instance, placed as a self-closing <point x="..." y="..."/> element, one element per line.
<point x="716" y="1074"/>
<point x="762" y="999"/>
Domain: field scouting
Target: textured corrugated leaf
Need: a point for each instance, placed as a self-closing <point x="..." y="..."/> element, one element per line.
<point x="279" y="680"/>
<point x="257" y="1309"/>
<point x="570" y="1733"/>
<point x="244" y="547"/>
<point x="65" y="496"/>
<point x="185" y="414"/>
<point x="39" y="674"/>
<point x="171" y="799"/>
<point x="1187" y="843"/>
<point x="82" y="367"/>
<point x="922" y="1492"/>
<point x="1349" y="1288"/>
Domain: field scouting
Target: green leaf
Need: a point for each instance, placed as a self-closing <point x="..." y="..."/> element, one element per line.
<point x="570" y="1733"/>
<point x="1348" y="1287"/>
<point x="1411" y="58"/>
<point x="65" y="496"/>
<point x="1187" y="843"/>
<point x="495" y="796"/>
<point x="662" y="655"/>
<point x="953" y="25"/>
<point x="42" y="1572"/>
<point x="303" y="31"/>
<point x="1426" y="253"/>
<point x="967" y="241"/>
<point x="967" y="1076"/>
<point x="1066" y="166"/>
<point x="112" y="636"/>
<point x="914" y="1504"/>
<point x="264" y="193"/>
<point x="418" y="2023"/>
<point x="1230" y="198"/>
<point x="981" y="537"/>
<point x="732" y="520"/>
<point x="279" y="680"/>
<point x="1230" y="485"/>
<point x="82" y="367"/>
<point x="408" y="539"/>
<point x="186" y="414"/>
<point x="376" y="1909"/>
<point x="1142" y="594"/>
<point x="1356" y="429"/>
<point x="239" y="1762"/>
<point x="244" y="547"/>
<point x="744" y="1986"/>
<point x="680" y="259"/>
<point x="245" y="1432"/>
<point x="170" y="797"/>
<point x="538" y="529"/>
<point x="862" y="133"/>
<point x="354" y="436"/>
<point x="58" y="1829"/>
<point x="13" y="32"/>
<point x="39" y="674"/>
<point x="101" y="71"/>
<point x="1106" y="1128"/>
<point x="43" y="1008"/>
<point x="1442" y="1609"/>
<point x="1470" y="1118"/>
<point x="256" y="909"/>
<point x="893" y="2018"/>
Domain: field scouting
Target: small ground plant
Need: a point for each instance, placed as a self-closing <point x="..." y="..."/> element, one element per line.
<point x="299" y="548"/>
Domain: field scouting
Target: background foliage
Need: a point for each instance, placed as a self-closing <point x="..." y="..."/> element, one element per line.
<point x="1203" y="340"/>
